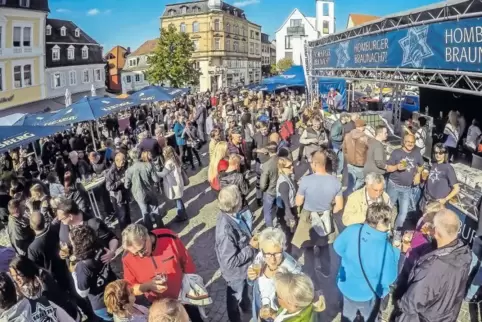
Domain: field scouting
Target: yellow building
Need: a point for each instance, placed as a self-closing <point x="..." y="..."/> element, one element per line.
<point x="228" y="46"/>
<point x="22" y="51"/>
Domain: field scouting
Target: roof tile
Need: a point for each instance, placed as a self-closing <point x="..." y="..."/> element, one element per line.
<point x="146" y="48"/>
<point x="360" y="19"/>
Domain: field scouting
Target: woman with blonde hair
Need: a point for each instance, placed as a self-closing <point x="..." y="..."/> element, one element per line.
<point x="40" y="201"/>
<point x="218" y="163"/>
<point x="173" y="183"/>
<point x="119" y="302"/>
<point x="168" y="310"/>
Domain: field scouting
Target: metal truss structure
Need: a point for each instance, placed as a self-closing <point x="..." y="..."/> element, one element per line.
<point x="446" y="80"/>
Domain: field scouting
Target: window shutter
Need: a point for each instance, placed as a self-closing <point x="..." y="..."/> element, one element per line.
<point x="62" y="79"/>
<point x="53" y="81"/>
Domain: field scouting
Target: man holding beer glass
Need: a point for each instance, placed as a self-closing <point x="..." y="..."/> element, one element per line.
<point x="405" y="167"/>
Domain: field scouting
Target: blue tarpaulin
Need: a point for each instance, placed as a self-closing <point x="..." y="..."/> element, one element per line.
<point x="102" y="106"/>
<point x="447" y="45"/>
<point x="293" y="76"/>
<point x="154" y="93"/>
<point x="14" y="136"/>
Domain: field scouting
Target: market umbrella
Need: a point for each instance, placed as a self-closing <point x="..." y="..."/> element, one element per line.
<point x="102" y="106"/>
<point x="151" y="94"/>
<point x="14" y="136"/>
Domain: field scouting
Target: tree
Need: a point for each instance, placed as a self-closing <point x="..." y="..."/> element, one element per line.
<point x="172" y="60"/>
<point x="273" y="69"/>
<point x="284" y="64"/>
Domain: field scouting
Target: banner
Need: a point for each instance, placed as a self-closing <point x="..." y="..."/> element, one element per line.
<point x="449" y="45"/>
<point x="325" y="85"/>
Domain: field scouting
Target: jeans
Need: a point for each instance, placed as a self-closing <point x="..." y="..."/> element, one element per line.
<point x="181" y="210"/>
<point x="123" y="213"/>
<point x="339" y="154"/>
<point x="403" y="195"/>
<point x="259" y="193"/>
<point x="150" y="215"/>
<point x="187" y="152"/>
<point x="103" y="314"/>
<point x="356" y="177"/>
<point x="352" y="310"/>
<point x="237" y="296"/>
<point x="269" y="209"/>
<point x="415" y="198"/>
<point x="473" y="289"/>
<point x="193" y="313"/>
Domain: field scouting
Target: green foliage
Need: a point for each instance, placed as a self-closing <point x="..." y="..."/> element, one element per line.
<point x="284" y="64"/>
<point x="273" y="69"/>
<point x="171" y="61"/>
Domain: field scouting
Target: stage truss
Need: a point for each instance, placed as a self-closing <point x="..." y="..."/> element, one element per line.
<point x="446" y="80"/>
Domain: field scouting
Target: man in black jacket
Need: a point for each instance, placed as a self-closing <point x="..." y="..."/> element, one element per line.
<point x="260" y="154"/>
<point x="232" y="176"/>
<point x="117" y="191"/>
<point x="436" y="284"/>
<point x="269" y="179"/>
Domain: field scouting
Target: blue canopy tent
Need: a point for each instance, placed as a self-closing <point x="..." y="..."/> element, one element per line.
<point x="293" y="76"/>
<point x="102" y="106"/>
<point x="14" y="136"/>
<point x="177" y="91"/>
<point x="154" y="93"/>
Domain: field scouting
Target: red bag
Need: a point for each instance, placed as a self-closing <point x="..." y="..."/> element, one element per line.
<point x="286" y="130"/>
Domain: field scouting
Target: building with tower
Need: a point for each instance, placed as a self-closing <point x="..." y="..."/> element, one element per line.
<point x="298" y="28"/>
<point x="228" y="45"/>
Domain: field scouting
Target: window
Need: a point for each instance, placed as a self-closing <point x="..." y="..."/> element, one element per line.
<point x="77" y="32"/>
<point x="97" y="75"/>
<point x="228" y="28"/>
<point x="235" y="46"/>
<point x="228" y="45"/>
<point x="22" y="36"/>
<point x="128" y="79"/>
<point x="57" y="81"/>
<point x="24" y="3"/>
<point x="251" y="48"/>
<point x="22" y="76"/>
<point x="71" y="52"/>
<point x="295" y="22"/>
<point x="196" y="45"/>
<point x="326" y="9"/>
<point x="63" y="31"/>
<point x="138" y="78"/>
<point x="86" y="76"/>
<point x="288" y="44"/>
<point x="85" y="52"/>
<point x="216" y="25"/>
<point x="182" y="27"/>
<point x="72" y="78"/>
<point x="252" y="34"/>
<point x="48" y="30"/>
<point x="195" y="26"/>
<point x="17" y="36"/>
<point x="132" y="62"/>
<point x="217" y="43"/>
<point x="56" y="53"/>
<point x="183" y="10"/>
<point x="326" y="27"/>
<point x="196" y="9"/>
<point x="171" y="12"/>
<point x="241" y="49"/>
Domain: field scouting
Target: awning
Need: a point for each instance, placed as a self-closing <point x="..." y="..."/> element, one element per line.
<point x="14" y="136"/>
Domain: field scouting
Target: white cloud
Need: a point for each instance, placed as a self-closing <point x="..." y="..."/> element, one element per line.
<point x="62" y="10"/>
<point x="245" y="3"/>
<point x="93" y="12"/>
<point x="108" y="11"/>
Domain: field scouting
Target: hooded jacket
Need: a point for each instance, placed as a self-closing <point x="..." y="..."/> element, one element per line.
<point x="436" y="285"/>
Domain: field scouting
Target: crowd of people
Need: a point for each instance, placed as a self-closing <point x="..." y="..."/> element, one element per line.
<point x="345" y="225"/>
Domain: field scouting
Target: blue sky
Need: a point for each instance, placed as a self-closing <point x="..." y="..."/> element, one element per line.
<point x="129" y="23"/>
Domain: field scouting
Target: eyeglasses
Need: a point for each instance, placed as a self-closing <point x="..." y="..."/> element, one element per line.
<point x="272" y="255"/>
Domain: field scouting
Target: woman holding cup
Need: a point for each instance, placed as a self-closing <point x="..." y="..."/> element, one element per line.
<point x="271" y="259"/>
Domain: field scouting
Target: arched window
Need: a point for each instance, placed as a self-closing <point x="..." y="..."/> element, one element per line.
<point x="182" y="27"/>
<point x="195" y="26"/>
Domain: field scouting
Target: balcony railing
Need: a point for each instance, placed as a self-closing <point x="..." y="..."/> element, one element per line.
<point x="296" y="31"/>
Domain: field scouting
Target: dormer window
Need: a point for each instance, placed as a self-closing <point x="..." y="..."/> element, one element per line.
<point x="63" y="31"/>
<point x="24" y="3"/>
<point x="235" y="12"/>
<point x="56" y="53"/>
<point x="85" y="52"/>
<point x="71" y="53"/>
<point x="171" y="12"/>
<point x="196" y="9"/>
<point x="77" y="32"/>
<point x="48" y="30"/>
<point x="184" y="10"/>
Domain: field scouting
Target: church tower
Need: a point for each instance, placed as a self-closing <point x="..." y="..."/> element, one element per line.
<point x="325" y="17"/>
<point x="215" y="4"/>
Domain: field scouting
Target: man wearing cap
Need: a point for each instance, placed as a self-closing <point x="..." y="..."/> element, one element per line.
<point x="355" y="146"/>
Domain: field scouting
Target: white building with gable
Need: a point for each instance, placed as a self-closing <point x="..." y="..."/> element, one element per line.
<point x="297" y="28"/>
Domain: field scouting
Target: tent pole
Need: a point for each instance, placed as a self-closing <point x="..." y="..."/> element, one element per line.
<point x="36" y="156"/>
<point x="93" y="137"/>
